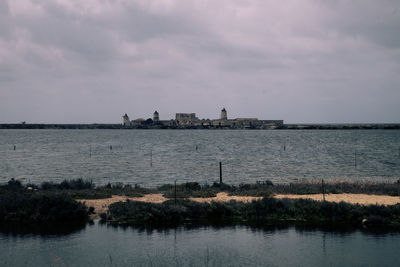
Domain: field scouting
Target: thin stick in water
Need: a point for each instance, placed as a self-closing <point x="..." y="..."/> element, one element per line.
<point x="355" y="158"/>
<point x="220" y="172"/>
<point x="175" y="192"/>
<point x="151" y="157"/>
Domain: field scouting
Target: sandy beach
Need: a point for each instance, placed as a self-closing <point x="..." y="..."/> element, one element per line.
<point x="362" y="199"/>
<point x="101" y="205"/>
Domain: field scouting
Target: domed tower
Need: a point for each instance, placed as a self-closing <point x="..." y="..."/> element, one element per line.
<point x="224" y="116"/>
<point x="125" y="120"/>
<point x="156" y="117"/>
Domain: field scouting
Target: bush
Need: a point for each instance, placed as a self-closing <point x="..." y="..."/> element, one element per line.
<point x="14" y="184"/>
<point x="27" y="207"/>
<point x="74" y="184"/>
<point x="268" y="211"/>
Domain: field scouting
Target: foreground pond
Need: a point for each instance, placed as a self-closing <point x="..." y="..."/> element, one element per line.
<point x="101" y="245"/>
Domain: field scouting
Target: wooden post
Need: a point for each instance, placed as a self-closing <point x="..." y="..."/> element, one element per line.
<point x="151" y="158"/>
<point x="220" y="172"/>
<point x="175" y="192"/>
<point x="15" y="147"/>
<point x="323" y="190"/>
<point x="355" y="158"/>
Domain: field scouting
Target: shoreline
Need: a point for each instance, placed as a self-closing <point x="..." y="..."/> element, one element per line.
<point x="293" y="126"/>
<point x="356" y="204"/>
<point x="101" y="205"/>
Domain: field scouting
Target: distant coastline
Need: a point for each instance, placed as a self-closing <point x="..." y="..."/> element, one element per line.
<point x="191" y="121"/>
<point x="313" y="126"/>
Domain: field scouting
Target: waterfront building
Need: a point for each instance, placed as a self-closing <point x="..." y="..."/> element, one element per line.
<point x="156" y="116"/>
<point x="125" y="120"/>
<point x="224" y="115"/>
<point x="186" y="119"/>
<point x="189" y="120"/>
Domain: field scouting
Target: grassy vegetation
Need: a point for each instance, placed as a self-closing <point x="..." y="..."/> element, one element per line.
<point x="81" y="189"/>
<point x="365" y="187"/>
<point x="20" y="205"/>
<point x="194" y="189"/>
<point x="186" y="190"/>
<point x="265" y="212"/>
<point x="54" y="202"/>
<point x="267" y="188"/>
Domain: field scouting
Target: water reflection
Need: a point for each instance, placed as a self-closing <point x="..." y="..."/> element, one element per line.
<point x="42" y="229"/>
<point x="100" y="245"/>
<point x="72" y="228"/>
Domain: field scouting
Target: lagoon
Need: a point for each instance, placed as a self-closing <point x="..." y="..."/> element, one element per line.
<point x="155" y="157"/>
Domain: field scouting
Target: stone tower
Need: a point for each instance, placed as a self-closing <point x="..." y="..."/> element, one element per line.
<point x="156" y="117"/>
<point x="125" y="120"/>
<point x="224" y="116"/>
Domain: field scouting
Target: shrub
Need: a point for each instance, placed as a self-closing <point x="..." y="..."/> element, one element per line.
<point x="26" y="207"/>
<point x="74" y="184"/>
<point x="268" y="211"/>
<point x="77" y="184"/>
<point x="14" y="184"/>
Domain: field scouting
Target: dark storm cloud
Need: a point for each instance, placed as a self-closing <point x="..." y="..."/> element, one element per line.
<point x="302" y="61"/>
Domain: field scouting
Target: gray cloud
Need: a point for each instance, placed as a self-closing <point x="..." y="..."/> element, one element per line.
<point x="301" y="61"/>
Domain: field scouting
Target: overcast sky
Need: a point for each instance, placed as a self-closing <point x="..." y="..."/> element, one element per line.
<point x="74" y="61"/>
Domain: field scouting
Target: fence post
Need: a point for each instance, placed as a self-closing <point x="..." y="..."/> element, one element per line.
<point x="323" y="190"/>
<point x="355" y="158"/>
<point x="175" y="192"/>
<point x="220" y="172"/>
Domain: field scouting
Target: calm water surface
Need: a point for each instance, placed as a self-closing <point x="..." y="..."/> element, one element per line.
<point x="154" y="157"/>
<point x="238" y="246"/>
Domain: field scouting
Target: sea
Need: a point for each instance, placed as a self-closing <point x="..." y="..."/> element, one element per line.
<point x="150" y="158"/>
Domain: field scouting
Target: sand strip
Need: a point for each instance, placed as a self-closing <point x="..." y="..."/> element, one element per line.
<point x="362" y="199"/>
<point x="101" y="205"/>
<point x="223" y="197"/>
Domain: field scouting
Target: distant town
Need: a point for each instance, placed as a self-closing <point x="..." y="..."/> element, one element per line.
<point x="189" y="120"/>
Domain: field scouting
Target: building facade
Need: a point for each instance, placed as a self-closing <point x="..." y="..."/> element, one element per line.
<point x="189" y="120"/>
<point x="156" y="116"/>
<point x="125" y="120"/>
